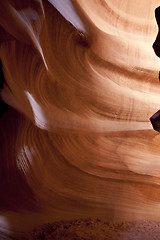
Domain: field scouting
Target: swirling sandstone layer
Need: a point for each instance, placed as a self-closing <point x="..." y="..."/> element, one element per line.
<point x="77" y="140"/>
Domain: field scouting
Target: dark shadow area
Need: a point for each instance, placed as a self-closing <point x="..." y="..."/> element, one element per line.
<point x="155" y="119"/>
<point x="14" y="190"/>
<point x="16" y="196"/>
<point x="3" y="106"/>
<point x="156" y="44"/>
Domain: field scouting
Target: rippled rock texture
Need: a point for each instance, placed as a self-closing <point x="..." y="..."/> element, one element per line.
<point x="81" y="83"/>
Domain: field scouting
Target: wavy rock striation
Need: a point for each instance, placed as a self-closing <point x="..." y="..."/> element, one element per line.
<point x="76" y="140"/>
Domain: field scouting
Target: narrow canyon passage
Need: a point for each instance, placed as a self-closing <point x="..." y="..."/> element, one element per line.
<point x="81" y="84"/>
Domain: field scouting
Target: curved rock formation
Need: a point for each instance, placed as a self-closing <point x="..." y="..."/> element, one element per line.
<point x="77" y="140"/>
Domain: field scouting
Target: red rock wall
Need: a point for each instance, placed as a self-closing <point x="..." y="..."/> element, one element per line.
<point x="77" y="140"/>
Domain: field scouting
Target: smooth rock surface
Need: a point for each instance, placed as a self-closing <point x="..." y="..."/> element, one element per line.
<point x="76" y="141"/>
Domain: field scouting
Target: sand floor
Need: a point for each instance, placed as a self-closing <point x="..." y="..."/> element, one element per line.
<point x="96" y="229"/>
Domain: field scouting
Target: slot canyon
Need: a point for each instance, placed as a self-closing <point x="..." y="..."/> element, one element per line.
<point x="80" y="119"/>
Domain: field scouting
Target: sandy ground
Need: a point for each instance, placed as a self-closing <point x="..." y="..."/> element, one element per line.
<point x="96" y="229"/>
